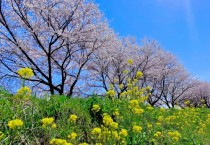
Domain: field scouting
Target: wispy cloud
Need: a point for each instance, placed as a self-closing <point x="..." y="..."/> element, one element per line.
<point x="187" y="5"/>
<point x="187" y="8"/>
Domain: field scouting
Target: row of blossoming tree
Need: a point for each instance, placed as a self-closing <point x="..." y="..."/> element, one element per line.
<point x="72" y="51"/>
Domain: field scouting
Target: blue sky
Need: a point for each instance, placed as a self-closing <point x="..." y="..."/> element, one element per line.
<point x="180" y="26"/>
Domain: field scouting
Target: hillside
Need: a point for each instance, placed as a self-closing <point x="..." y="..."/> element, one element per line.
<point x="60" y="120"/>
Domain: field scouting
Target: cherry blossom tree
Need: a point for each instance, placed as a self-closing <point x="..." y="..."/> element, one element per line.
<point x="169" y="81"/>
<point x="197" y="96"/>
<point x="71" y="50"/>
<point x="112" y="67"/>
<point x="56" y="38"/>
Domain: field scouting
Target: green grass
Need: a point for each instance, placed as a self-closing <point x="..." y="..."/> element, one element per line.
<point x="193" y="124"/>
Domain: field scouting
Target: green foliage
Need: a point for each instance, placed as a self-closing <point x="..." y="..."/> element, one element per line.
<point x="159" y="125"/>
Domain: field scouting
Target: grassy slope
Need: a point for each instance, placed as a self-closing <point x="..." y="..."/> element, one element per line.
<point x="192" y="124"/>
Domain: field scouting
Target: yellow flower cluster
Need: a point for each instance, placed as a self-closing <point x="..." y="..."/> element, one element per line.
<point x="133" y="92"/>
<point x="108" y="121"/>
<point x="116" y="112"/>
<point x="187" y="102"/>
<point x="175" y="135"/>
<point x="106" y="133"/>
<point x="48" y="122"/>
<point x="95" y="108"/>
<point x="160" y="118"/>
<point x="123" y="133"/>
<point x="25" y="73"/>
<point x="138" y="111"/>
<point x="134" y="103"/>
<point x="162" y="109"/>
<point x="202" y="128"/>
<point x="109" y="134"/>
<point x="113" y="125"/>
<point x="59" y="142"/>
<point x="160" y="123"/>
<point x="137" y="129"/>
<point x="149" y="108"/>
<point x="170" y="119"/>
<point x="139" y="74"/>
<point x="208" y="118"/>
<point x="158" y="134"/>
<point x="110" y="93"/>
<point x="125" y="71"/>
<point x="148" y="88"/>
<point x="96" y="131"/>
<point x="72" y="136"/>
<point x="121" y="86"/>
<point x="115" y="135"/>
<point x="149" y="126"/>
<point x="24" y="93"/>
<point x="73" y="118"/>
<point x="15" y="123"/>
<point x="130" y="61"/>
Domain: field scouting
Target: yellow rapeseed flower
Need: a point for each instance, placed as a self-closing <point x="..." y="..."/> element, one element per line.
<point x="73" y="118"/>
<point x="175" y="135"/>
<point x="139" y="74"/>
<point x="115" y="135"/>
<point x="47" y="121"/>
<point x="157" y="134"/>
<point x="138" y="111"/>
<point x="175" y="139"/>
<point x="116" y="113"/>
<point x="125" y="71"/>
<point x="134" y="103"/>
<point x="113" y="125"/>
<point x="162" y="109"/>
<point x="135" y="81"/>
<point x="106" y="133"/>
<point x="15" y="123"/>
<point x="121" y="86"/>
<point x="187" y="102"/>
<point x="123" y="133"/>
<point x="72" y="135"/>
<point x="149" y="108"/>
<point x="110" y="93"/>
<point x="59" y="142"/>
<point x="123" y="94"/>
<point x="202" y="101"/>
<point x="149" y="126"/>
<point x="201" y="131"/>
<point x="25" y="73"/>
<point x="160" y="118"/>
<point x="158" y="124"/>
<point x="148" y="88"/>
<point x="54" y="125"/>
<point x="96" y="131"/>
<point x="95" y="108"/>
<point x="137" y="129"/>
<point x="107" y="120"/>
<point x="130" y="61"/>
<point x="23" y="93"/>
